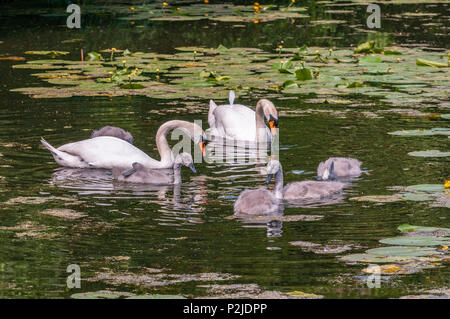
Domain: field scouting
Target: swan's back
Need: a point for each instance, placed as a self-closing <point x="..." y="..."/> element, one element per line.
<point x="107" y="152"/>
<point x="342" y="167"/>
<point x="256" y="202"/>
<point x="311" y="190"/>
<point x="114" y="132"/>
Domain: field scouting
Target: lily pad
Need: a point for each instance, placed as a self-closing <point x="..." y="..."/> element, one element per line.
<point x="379" y="198"/>
<point x="94" y="295"/>
<point x="419" y="132"/>
<point x="427" y="187"/>
<point x="416" y="241"/>
<point x="424" y="62"/>
<point x="429" y="153"/>
<point x="156" y="296"/>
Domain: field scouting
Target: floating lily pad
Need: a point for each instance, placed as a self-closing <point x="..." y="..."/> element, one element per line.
<point x="429" y="153"/>
<point x="416" y="241"/>
<point x="156" y="296"/>
<point x="379" y="198"/>
<point x="418" y="197"/>
<point x="94" y="295"/>
<point x="434" y="131"/>
<point x="427" y="187"/>
<point x="412" y="228"/>
<point x="424" y="62"/>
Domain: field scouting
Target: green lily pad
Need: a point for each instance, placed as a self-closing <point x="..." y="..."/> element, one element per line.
<point x="424" y="62"/>
<point x="379" y="198"/>
<point x="434" y="131"/>
<point x="427" y="187"/>
<point x="370" y="59"/>
<point x="445" y="116"/>
<point x="418" y="197"/>
<point x="365" y="47"/>
<point x="303" y="74"/>
<point x="429" y="153"/>
<point x="156" y="296"/>
<point x="411" y="228"/>
<point x="94" y="295"/>
<point x="52" y="54"/>
<point x="416" y="241"/>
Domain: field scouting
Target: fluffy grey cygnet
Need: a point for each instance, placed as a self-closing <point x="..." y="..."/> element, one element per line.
<point x="114" y="132"/>
<point x="141" y="174"/>
<point x="339" y="167"/>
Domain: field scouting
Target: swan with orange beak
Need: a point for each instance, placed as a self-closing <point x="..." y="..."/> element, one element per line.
<point x="239" y="122"/>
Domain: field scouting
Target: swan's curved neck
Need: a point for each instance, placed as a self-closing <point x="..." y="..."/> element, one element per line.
<point x="164" y="150"/>
<point x="279" y="184"/>
<point x="261" y="133"/>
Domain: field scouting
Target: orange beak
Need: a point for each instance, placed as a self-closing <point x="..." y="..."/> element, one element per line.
<point x="273" y="128"/>
<point x="202" y="147"/>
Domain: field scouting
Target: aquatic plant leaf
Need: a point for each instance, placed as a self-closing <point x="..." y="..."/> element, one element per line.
<point x="365" y="47"/>
<point x="94" y="295"/>
<point x="427" y="187"/>
<point x="424" y="62"/>
<point x="412" y="228"/>
<point x="156" y="296"/>
<point x="419" y="132"/>
<point x="289" y="84"/>
<point x="132" y="86"/>
<point x="416" y="241"/>
<point x="370" y="59"/>
<point x="302" y="294"/>
<point x="418" y="197"/>
<point x="429" y="153"/>
<point x="402" y="251"/>
<point x="379" y="198"/>
<point x="94" y="56"/>
<point x="303" y="74"/>
<point x="52" y="54"/>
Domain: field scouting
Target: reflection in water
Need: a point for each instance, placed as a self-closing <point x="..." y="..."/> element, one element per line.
<point x="272" y="222"/>
<point x="221" y="150"/>
<point x="177" y="209"/>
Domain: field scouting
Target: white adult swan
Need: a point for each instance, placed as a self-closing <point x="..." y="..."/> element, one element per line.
<point x="339" y="167"/>
<point x="108" y="152"/>
<point x="142" y="174"/>
<point x="115" y="132"/>
<point x="239" y="122"/>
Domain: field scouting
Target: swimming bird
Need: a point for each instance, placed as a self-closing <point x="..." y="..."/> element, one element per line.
<point x="239" y="122"/>
<point x="115" y="132"/>
<point x="141" y="174"/>
<point x="339" y="167"/>
<point x="108" y="152"/>
<point x="305" y="190"/>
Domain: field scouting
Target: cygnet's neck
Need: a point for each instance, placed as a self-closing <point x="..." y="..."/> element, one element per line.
<point x="279" y="184"/>
<point x="177" y="173"/>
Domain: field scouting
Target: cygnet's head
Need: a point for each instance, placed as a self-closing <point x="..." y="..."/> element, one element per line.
<point x="273" y="167"/>
<point x="186" y="160"/>
<point x="327" y="172"/>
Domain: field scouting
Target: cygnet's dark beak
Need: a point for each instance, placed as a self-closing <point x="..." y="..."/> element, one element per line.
<point x="269" y="177"/>
<point x="191" y="166"/>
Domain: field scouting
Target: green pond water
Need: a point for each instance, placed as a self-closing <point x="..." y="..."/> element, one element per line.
<point x="140" y="239"/>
